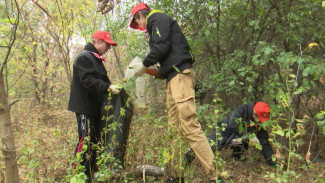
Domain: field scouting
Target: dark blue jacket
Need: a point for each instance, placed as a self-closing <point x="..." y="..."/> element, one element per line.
<point x="245" y="114"/>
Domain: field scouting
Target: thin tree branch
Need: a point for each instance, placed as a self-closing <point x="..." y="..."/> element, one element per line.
<point x="12" y="36"/>
<point x="12" y="103"/>
<point x="321" y="175"/>
<point x="44" y="10"/>
<point x="21" y="75"/>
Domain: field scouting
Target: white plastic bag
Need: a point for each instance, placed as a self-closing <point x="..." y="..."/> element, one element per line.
<point x="129" y="72"/>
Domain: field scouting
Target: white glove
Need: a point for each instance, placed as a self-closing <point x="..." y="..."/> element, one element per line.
<point x="139" y="69"/>
<point x="236" y="141"/>
<point x="114" y="89"/>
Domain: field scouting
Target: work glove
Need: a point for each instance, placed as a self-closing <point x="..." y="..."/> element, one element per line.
<point x="139" y="69"/>
<point x="152" y="71"/>
<point x="236" y="141"/>
<point x="114" y="89"/>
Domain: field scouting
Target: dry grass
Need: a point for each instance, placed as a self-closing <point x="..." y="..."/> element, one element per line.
<point x="45" y="141"/>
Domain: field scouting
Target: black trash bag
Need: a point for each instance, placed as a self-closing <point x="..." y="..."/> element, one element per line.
<point x="117" y="144"/>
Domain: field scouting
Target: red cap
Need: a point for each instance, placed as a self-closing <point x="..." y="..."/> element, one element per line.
<point x="262" y="111"/>
<point x="106" y="36"/>
<point x="135" y="9"/>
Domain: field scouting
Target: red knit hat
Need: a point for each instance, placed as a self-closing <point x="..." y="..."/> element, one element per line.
<point x="262" y="111"/>
<point x="135" y="9"/>
<point x="106" y="36"/>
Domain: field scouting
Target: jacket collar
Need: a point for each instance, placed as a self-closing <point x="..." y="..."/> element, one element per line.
<point x="251" y="110"/>
<point x="152" y="12"/>
<point x="90" y="47"/>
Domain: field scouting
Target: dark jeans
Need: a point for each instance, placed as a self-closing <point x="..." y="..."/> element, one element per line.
<point x="88" y="126"/>
<point x="227" y="136"/>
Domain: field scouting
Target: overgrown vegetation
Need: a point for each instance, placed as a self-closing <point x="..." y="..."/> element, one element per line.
<point x="265" y="50"/>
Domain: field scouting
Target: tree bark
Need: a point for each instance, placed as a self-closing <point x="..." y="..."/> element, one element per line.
<point x="7" y="137"/>
<point x="118" y="62"/>
<point x="151" y="170"/>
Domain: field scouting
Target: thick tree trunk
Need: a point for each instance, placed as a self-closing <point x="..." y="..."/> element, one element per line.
<point x="7" y="137"/>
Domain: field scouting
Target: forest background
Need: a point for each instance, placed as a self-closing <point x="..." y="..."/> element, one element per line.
<point x="266" y="50"/>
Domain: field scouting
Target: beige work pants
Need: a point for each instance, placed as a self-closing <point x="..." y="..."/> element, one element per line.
<point x="182" y="114"/>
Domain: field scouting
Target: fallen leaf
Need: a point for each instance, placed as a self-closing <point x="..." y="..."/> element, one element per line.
<point x="224" y="174"/>
<point x="311" y="45"/>
<point x="307" y="156"/>
<point x="321" y="79"/>
<point x="299" y="120"/>
<point x="278" y="154"/>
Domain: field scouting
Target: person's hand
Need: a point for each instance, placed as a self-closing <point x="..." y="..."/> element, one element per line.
<point x="114" y="89"/>
<point x="139" y="69"/>
<point x="237" y="141"/>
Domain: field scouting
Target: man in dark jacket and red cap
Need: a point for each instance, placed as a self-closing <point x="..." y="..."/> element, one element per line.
<point x="169" y="47"/>
<point x="244" y="119"/>
<point x="89" y="88"/>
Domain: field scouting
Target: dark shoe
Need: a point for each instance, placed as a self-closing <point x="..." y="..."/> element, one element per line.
<point x="220" y="180"/>
<point x="189" y="157"/>
<point x="175" y="180"/>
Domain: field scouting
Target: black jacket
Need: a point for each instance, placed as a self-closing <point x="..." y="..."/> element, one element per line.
<point x="89" y="83"/>
<point x="245" y="113"/>
<point x="168" y="45"/>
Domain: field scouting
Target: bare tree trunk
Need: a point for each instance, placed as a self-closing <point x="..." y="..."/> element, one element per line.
<point x="7" y="137"/>
<point x="33" y="63"/>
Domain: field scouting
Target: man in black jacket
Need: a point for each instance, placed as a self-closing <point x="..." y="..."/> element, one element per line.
<point x="169" y="47"/>
<point x="89" y="89"/>
<point x="246" y="118"/>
